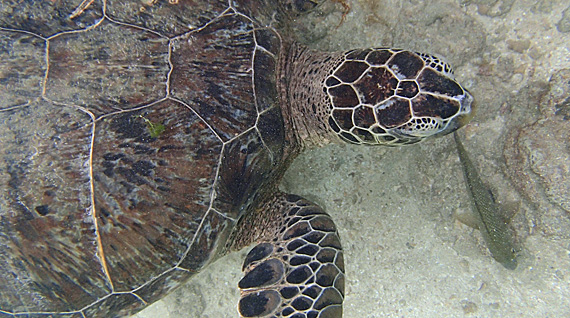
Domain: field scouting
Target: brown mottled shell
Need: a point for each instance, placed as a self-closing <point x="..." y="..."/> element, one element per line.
<point x="133" y="134"/>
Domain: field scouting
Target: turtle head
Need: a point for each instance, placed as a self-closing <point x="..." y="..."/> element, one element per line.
<point x="394" y="97"/>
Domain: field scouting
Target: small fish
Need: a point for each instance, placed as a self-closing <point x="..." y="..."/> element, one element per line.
<point x="495" y="231"/>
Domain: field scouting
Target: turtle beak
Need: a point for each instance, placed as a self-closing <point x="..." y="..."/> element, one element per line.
<point x="468" y="107"/>
<point x="463" y="117"/>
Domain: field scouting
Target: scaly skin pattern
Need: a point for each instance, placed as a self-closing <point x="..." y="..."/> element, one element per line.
<point x="394" y="97"/>
<point x="300" y="272"/>
<point x="376" y="96"/>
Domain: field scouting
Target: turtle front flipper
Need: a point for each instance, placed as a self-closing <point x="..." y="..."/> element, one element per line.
<point x="298" y="269"/>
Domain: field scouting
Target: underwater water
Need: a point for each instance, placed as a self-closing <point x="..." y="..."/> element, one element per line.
<point x="406" y="253"/>
<point x="399" y="211"/>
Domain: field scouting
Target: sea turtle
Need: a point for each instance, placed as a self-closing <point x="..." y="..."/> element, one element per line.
<point x="142" y="140"/>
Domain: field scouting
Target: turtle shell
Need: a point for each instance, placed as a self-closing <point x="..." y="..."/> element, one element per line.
<point x="133" y="136"/>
